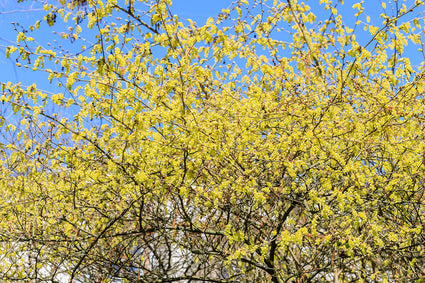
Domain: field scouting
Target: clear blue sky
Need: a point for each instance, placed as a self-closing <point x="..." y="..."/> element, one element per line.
<point x="28" y="12"/>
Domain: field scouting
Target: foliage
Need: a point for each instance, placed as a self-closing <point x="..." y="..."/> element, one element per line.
<point x="266" y="145"/>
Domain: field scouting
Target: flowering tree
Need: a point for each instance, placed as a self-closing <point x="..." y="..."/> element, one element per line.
<point x="265" y="145"/>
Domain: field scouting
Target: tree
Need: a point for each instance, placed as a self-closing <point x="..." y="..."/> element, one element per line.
<point x="263" y="146"/>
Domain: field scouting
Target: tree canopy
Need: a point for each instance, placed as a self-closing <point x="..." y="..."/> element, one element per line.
<point x="273" y="143"/>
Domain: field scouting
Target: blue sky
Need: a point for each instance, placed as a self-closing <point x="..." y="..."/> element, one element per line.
<point x="28" y="12"/>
